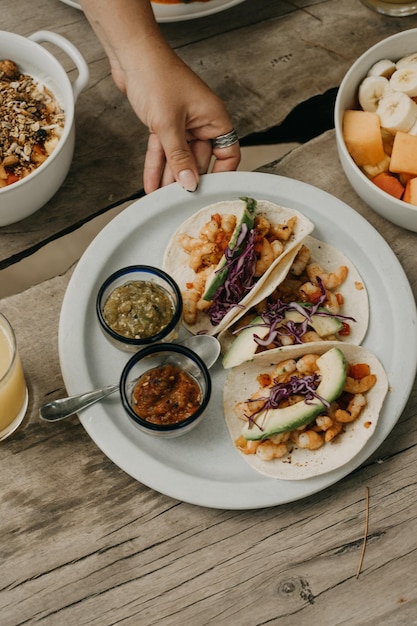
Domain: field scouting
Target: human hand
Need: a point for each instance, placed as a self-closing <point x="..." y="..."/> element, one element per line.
<point x="183" y="116"/>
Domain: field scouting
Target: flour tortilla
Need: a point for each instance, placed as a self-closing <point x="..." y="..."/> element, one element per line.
<point x="302" y="464"/>
<point x="353" y="290"/>
<point x="175" y="260"/>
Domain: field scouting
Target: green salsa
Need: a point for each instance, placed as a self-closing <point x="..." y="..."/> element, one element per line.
<point x="138" y="309"/>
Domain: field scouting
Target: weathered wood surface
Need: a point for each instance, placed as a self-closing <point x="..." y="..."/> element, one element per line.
<point x="83" y="543"/>
<point x="263" y="57"/>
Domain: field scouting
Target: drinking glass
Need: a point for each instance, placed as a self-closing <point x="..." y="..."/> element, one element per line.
<point x="13" y="390"/>
<point x="396" y="8"/>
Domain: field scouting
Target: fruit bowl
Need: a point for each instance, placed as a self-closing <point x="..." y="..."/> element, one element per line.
<point x="392" y="48"/>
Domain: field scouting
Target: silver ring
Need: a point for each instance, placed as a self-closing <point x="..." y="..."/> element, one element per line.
<point x="226" y="140"/>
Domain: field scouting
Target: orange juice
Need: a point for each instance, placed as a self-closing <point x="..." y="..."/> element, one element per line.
<point x="13" y="391"/>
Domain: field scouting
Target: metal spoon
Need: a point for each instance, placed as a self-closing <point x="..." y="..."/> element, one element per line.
<point x="206" y="346"/>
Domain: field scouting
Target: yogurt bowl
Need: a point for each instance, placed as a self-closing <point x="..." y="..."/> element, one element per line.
<point x="24" y="197"/>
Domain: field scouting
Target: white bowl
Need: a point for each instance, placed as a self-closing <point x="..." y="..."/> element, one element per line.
<point x="393" y="48"/>
<point x="23" y="198"/>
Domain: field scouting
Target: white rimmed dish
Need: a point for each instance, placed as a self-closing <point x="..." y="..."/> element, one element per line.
<point x="203" y="467"/>
<point x="26" y="196"/>
<point x="393" y="48"/>
<point x="181" y="11"/>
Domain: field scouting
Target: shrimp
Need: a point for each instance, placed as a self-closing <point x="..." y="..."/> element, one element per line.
<point x="190" y="299"/>
<point x="200" y="281"/>
<point x="205" y="255"/>
<point x="277" y="248"/>
<point x="301" y="260"/>
<point x="289" y="366"/>
<point x="262" y="225"/>
<point x="265" y="259"/>
<point x="333" y="431"/>
<point x="188" y="243"/>
<point x="331" y="280"/>
<point x="267" y="450"/>
<point x="307" y="364"/>
<point x="283" y="231"/>
<point x="228" y="223"/>
<point x="353" y="409"/>
<point x="246" y="446"/>
<point x="310" y="440"/>
<point x="311" y="336"/>
<point x="210" y="230"/>
<point x="354" y="385"/>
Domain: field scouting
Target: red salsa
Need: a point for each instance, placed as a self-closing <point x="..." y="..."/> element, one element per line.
<point x="166" y="395"/>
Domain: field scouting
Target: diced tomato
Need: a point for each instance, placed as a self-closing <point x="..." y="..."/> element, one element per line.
<point x="359" y="370"/>
<point x="189" y="285"/>
<point x="264" y="380"/>
<point x="12" y="178"/>
<point x="345" y="330"/>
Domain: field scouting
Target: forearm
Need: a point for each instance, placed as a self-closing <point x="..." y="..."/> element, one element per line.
<point x="130" y="36"/>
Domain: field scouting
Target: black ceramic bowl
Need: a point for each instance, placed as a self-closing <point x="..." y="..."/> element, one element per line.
<point x="120" y="319"/>
<point x="166" y="400"/>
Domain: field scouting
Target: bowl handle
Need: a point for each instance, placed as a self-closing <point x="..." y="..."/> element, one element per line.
<point x="83" y="74"/>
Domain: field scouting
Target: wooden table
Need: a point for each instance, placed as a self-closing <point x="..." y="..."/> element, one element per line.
<point x="83" y="542"/>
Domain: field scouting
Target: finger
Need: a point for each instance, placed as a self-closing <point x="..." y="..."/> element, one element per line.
<point x="181" y="161"/>
<point x="202" y="152"/>
<point x="227" y="159"/>
<point x="154" y="164"/>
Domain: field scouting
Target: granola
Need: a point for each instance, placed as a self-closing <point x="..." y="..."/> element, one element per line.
<point x="31" y="123"/>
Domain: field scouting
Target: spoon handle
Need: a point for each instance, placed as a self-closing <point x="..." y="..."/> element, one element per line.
<point x="60" y="409"/>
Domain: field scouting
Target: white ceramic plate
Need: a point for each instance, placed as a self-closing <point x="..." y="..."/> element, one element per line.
<point x="180" y="12"/>
<point x="203" y="467"/>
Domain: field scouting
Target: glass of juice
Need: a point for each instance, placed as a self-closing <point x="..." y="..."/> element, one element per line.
<point x="13" y="389"/>
<point x="396" y="8"/>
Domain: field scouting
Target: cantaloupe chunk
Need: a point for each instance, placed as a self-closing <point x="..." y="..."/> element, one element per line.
<point x="404" y="154"/>
<point x="362" y="135"/>
<point x="410" y="193"/>
<point x="389" y="183"/>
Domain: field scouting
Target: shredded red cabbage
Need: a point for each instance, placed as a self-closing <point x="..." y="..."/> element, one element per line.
<point x="274" y="318"/>
<point x="305" y="386"/>
<point x="240" y="265"/>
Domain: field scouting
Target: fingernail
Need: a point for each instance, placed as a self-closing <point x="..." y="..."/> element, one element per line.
<point x="187" y="180"/>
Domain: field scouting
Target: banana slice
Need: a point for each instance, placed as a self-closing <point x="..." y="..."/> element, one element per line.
<point x="406" y="61"/>
<point x="413" y="129"/>
<point x="397" y="111"/>
<point x="384" y="68"/>
<point x="371" y="90"/>
<point x="405" y="80"/>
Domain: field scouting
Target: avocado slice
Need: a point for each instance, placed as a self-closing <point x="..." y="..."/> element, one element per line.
<point x="332" y="369"/>
<point x="244" y="346"/>
<point x="324" y="325"/>
<point x="221" y="271"/>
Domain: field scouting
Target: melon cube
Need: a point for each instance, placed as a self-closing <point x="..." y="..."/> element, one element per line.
<point x="410" y="193"/>
<point x="404" y="154"/>
<point x="362" y="135"/>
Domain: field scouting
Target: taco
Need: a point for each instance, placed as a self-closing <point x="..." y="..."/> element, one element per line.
<point x="299" y="412"/>
<point x="321" y="298"/>
<point x="223" y="254"/>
